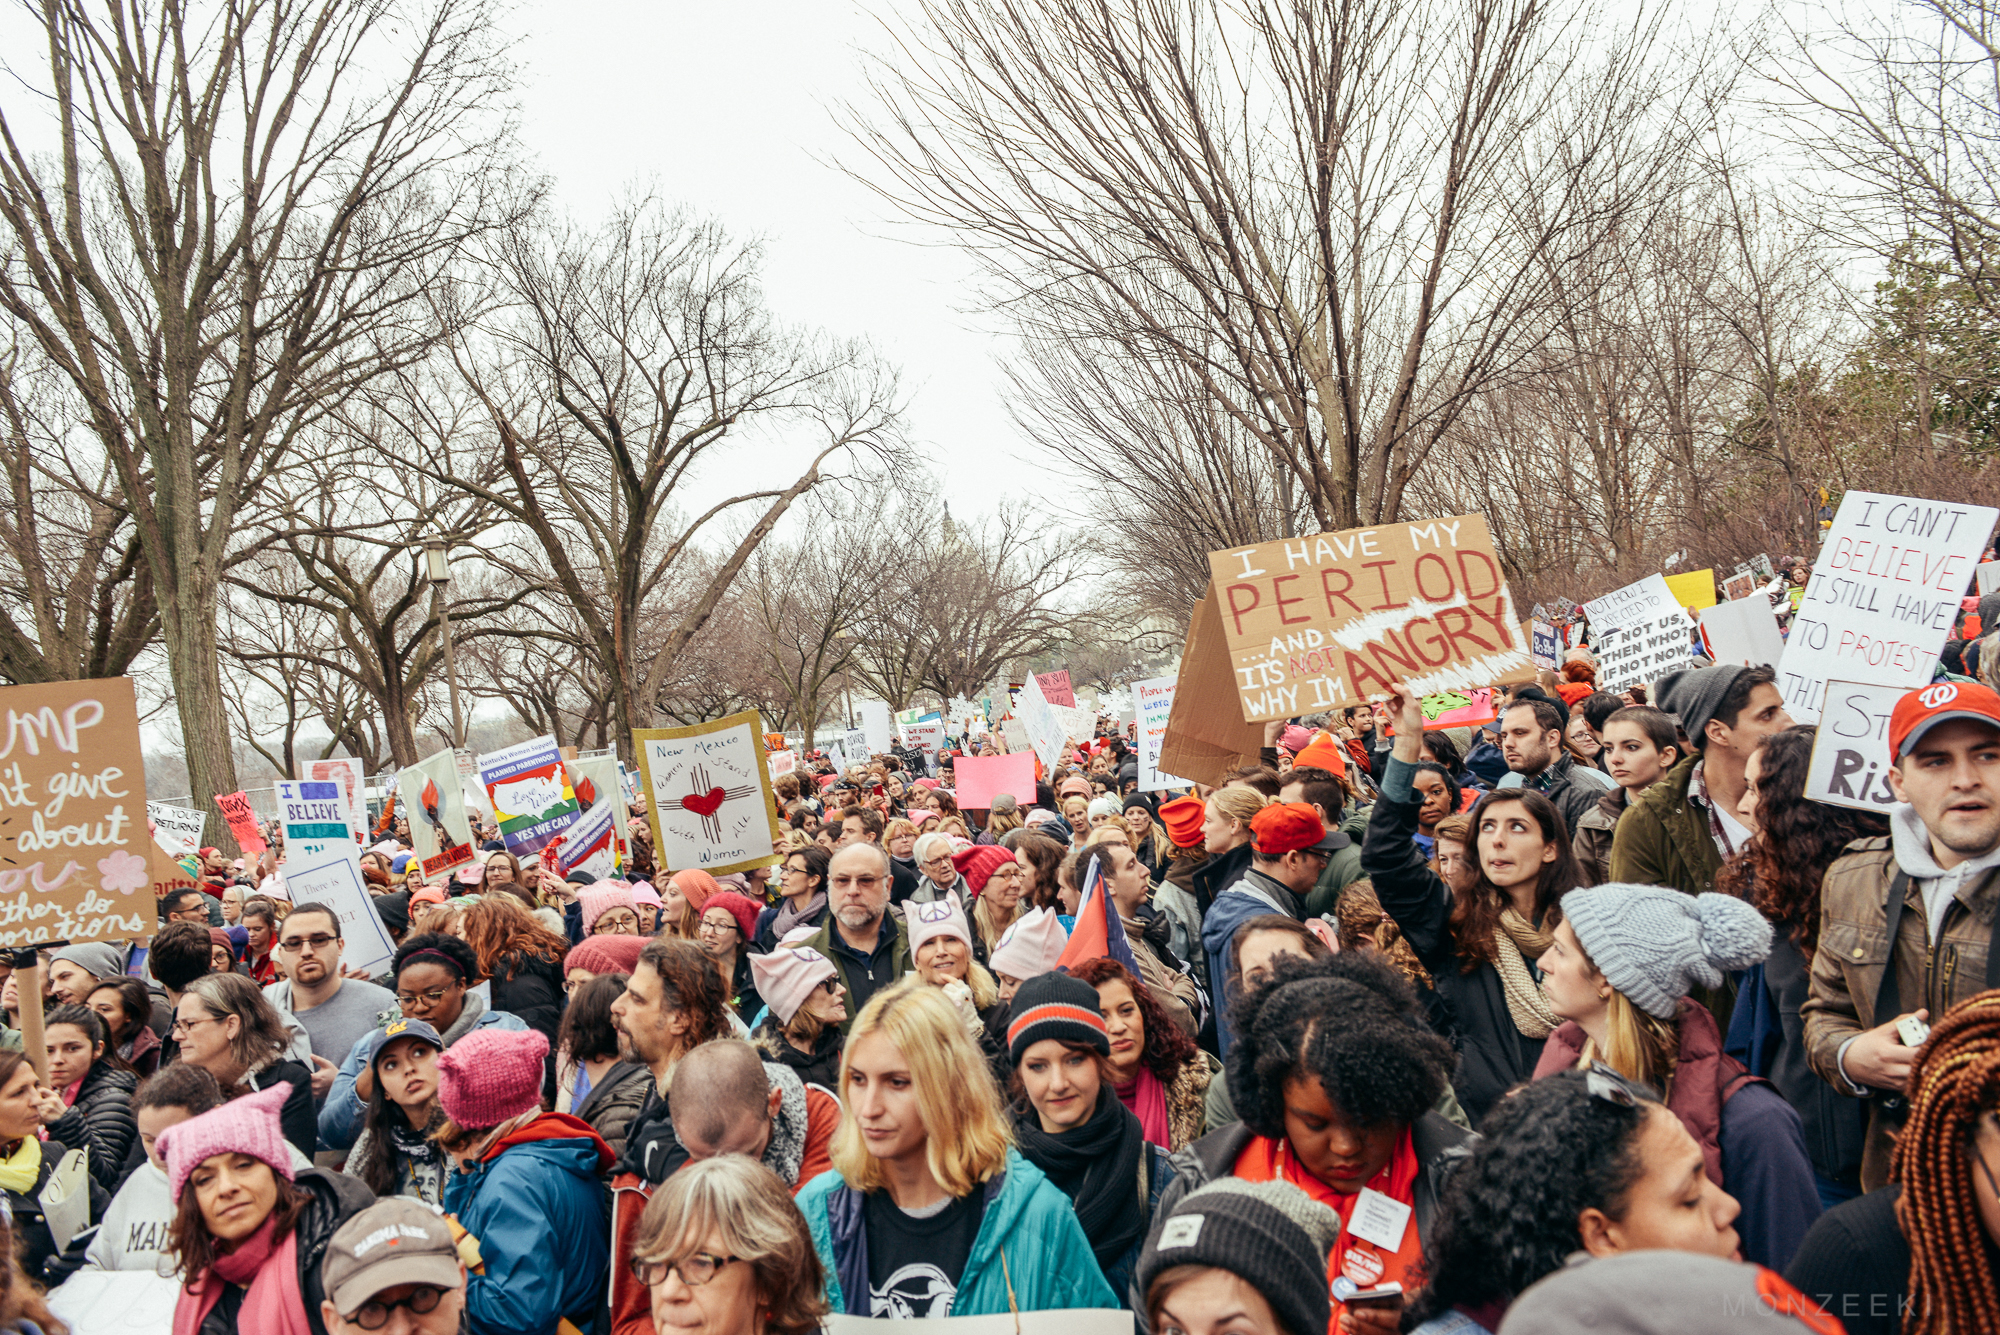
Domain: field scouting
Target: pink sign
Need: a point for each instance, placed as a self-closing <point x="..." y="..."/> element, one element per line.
<point x="982" y="778"/>
<point x="1056" y="689"/>
<point x="242" y="821"/>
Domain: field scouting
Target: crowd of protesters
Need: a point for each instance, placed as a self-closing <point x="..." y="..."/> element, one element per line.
<point x="1586" y="1017"/>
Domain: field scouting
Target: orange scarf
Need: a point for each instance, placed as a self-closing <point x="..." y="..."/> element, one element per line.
<point x="1265" y="1160"/>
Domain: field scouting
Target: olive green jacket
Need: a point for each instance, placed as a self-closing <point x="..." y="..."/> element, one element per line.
<point x="1663" y="838"/>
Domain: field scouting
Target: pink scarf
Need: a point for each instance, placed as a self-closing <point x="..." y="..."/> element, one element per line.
<point x="1147" y="1098"/>
<point x="272" y="1303"/>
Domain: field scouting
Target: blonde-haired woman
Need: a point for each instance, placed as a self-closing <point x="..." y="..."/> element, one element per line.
<point x="1225" y="837"/>
<point x="722" y="1250"/>
<point x="937" y="1214"/>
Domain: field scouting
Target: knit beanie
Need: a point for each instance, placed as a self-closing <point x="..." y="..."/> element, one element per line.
<point x="95" y="958"/>
<point x="1144" y="801"/>
<point x="978" y="863"/>
<point x="1183" y="818"/>
<point x="248" y="1125"/>
<point x="605" y="954"/>
<point x="600" y="898"/>
<point x="741" y="907"/>
<point x="1032" y="945"/>
<point x="1656" y="945"/>
<point x="1323" y="753"/>
<point x="1664" y="1293"/>
<point x="1295" y="738"/>
<point x="695" y="886"/>
<point x="940" y="917"/>
<point x="1692" y="695"/>
<point x="643" y="893"/>
<point x="1103" y="806"/>
<point x="785" y="978"/>
<point x="1055" y="1005"/>
<point x="491" y="1075"/>
<point x="1269" y="1234"/>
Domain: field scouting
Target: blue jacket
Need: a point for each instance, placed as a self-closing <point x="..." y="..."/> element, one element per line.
<point x="1252" y="896"/>
<point x="341" y="1116"/>
<point x="541" y="1215"/>
<point x="1027" y="1219"/>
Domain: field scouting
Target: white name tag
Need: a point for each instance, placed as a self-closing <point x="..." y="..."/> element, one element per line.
<point x="1379" y="1219"/>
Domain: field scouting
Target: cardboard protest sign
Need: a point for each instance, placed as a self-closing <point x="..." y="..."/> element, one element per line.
<point x="1202" y="740"/>
<point x="178" y="829"/>
<point x="595" y="782"/>
<point x="1739" y="586"/>
<point x="926" y="737"/>
<point x="709" y="794"/>
<point x="980" y="779"/>
<point x="1046" y="733"/>
<point x="1761" y="567"/>
<point x="1744" y="631"/>
<point x="530" y="792"/>
<point x="1989" y="577"/>
<point x="333" y="877"/>
<point x="1315" y="623"/>
<point x="1056" y="688"/>
<point x="347" y="772"/>
<point x="1695" y="588"/>
<point x="434" y="803"/>
<point x="1458" y="709"/>
<point x="1641" y="634"/>
<point x="783" y="763"/>
<point x="1883" y="595"/>
<point x="314" y="817"/>
<point x="1015" y="734"/>
<point x="1850" y="757"/>
<point x="855" y="746"/>
<point x="1153" y="699"/>
<point x="242" y="821"/>
<point x="76" y="861"/>
<point x="1544" y="645"/>
<point x="875" y="725"/>
<point x="589" y="844"/>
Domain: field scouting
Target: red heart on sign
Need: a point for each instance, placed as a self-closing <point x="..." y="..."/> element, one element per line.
<point x="704" y="804"/>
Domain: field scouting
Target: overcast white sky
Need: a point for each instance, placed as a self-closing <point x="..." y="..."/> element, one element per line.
<point x="729" y="108"/>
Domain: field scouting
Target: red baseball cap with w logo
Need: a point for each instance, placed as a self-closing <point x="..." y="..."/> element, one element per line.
<point x="1940" y="702"/>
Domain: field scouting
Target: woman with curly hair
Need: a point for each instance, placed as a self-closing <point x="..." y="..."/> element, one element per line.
<point x="1779" y="871"/>
<point x="1585" y="1161"/>
<point x="1926" y="1244"/>
<point x="1334" y="1073"/>
<point x="1478" y="938"/>
<point x="1156" y="1069"/>
<point x="522" y="958"/>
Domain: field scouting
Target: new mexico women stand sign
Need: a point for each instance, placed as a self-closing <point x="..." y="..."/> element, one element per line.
<point x="75" y="857"/>
<point x="1315" y="623"/>
<point x="708" y="794"/>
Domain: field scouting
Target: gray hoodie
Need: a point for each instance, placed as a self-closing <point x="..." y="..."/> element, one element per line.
<point x="1912" y="843"/>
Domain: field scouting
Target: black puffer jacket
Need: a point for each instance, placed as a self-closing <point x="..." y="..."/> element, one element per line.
<point x="613" y="1102"/>
<point x="819" y="1067"/>
<point x="533" y="990"/>
<point x="332" y="1199"/>
<point x="101" y="1121"/>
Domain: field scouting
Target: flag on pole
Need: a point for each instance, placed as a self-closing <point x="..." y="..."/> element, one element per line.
<point x="1098" y="933"/>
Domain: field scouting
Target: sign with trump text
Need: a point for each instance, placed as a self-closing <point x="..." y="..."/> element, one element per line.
<point x="1316" y="623"/>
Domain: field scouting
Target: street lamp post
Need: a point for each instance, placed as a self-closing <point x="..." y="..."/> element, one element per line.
<point x="437" y="565"/>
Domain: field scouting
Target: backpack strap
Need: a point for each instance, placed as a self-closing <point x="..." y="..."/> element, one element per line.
<point x="1888" y="1001"/>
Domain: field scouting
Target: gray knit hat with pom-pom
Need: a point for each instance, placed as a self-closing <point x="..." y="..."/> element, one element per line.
<point x="1655" y="944"/>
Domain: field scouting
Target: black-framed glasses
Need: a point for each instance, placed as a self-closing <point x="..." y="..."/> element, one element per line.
<point x="179" y="1028"/>
<point x="695" y="1269"/>
<point x="318" y="941"/>
<point x="830" y="985"/>
<point x="374" y="1314"/>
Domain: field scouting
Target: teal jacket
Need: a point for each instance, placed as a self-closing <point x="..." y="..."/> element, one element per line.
<point x="1028" y="1220"/>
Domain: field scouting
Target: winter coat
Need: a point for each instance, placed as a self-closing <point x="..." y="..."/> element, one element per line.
<point x="101" y="1121"/>
<point x="1215" y="875"/>
<point x="819" y="1067"/>
<point x="1252" y="895"/>
<point x="331" y="1200"/>
<point x="536" y="1202"/>
<point x="1439" y="1146"/>
<point x="1494" y="1055"/>
<point x="142" y="1051"/>
<point x="1855" y="952"/>
<point x="1027" y="1221"/>
<point x="1592" y="844"/>
<point x="1856" y="1264"/>
<point x="32" y="1241"/>
<point x="614" y="1101"/>
<point x="301" y="1126"/>
<point x="1836" y="1124"/>
<point x="341" y="1116"/>
<point x="532" y="991"/>
<point x="1751" y="1141"/>
<point x="1573" y="788"/>
<point x="1342" y="869"/>
<point x="1663" y="838"/>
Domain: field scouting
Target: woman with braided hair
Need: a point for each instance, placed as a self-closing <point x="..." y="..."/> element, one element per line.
<point x="1921" y="1256"/>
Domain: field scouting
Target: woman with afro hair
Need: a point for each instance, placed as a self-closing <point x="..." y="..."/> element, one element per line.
<point x="1584" y="1161"/>
<point x="1334" y="1072"/>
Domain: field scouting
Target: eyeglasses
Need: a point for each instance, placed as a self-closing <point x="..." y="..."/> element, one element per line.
<point x="831" y="985"/>
<point x="711" y="925"/>
<point x="695" y="1270"/>
<point x="179" y="1028"/>
<point x="317" y="941"/>
<point x="409" y="999"/>
<point x="373" y="1315"/>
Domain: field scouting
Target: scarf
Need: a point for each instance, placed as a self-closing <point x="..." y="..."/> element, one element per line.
<point x="268" y="1272"/>
<point x="789" y="917"/>
<point x="1096" y="1165"/>
<point x="1147" y="1098"/>
<point x="19" y="1170"/>
<point x="786" y="1152"/>
<point x="1525" y="1002"/>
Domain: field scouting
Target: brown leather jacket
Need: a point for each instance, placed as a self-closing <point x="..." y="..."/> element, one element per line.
<point x="1854" y="953"/>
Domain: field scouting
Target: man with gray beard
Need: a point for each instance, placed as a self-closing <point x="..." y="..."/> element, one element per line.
<point x="864" y="940"/>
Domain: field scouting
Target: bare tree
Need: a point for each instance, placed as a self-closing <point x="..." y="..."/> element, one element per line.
<point x="624" y="360"/>
<point x="245" y="209"/>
